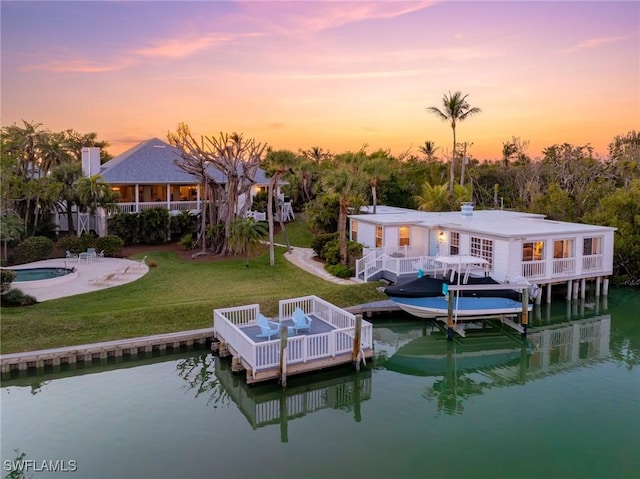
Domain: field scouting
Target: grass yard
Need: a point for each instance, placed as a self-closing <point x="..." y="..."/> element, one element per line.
<point x="176" y="295"/>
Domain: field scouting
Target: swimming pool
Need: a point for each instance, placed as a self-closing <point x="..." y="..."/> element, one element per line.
<point x="28" y="275"/>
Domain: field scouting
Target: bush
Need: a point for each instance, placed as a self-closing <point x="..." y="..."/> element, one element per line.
<point x="15" y="297"/>
<point x="6" y="278"/>
<point x="319" y="242"/>
<point x="111" y="245"/>
<point x="127" y="227"/>
<point x="340" y="270"/>
<point x="183" y="224"/>
<point x="70" y="243"/>
<point x="155" y="226"/>
<point x="35" y="248"/>
<point x="187" y="242"/>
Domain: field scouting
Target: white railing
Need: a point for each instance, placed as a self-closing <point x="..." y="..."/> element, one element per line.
<point x="534" y="269"/>
<point x="564" y="266"/>
<point x="592" y="263"/>
<point x="147" y="205"/>
<point x="376" y="260"/>
<point x="266" y="354"/>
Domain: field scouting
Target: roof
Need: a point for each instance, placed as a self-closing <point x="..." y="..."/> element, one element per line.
<point x="503" y="223"/>
<point x="153" y="161"/>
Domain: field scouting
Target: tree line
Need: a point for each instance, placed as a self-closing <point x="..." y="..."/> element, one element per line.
<point x="41" y="171"/>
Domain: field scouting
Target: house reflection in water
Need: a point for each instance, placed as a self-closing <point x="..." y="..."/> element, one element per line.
<point x="269" y="404"/>
<point x="489" y="358"/>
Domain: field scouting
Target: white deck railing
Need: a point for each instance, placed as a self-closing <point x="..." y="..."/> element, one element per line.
<point x="266" y="354"/>
<point x="592" y="263"/>
<point x="534" y="269"/>
<point x="564" y="267"/>
<point x="147" y="205"/>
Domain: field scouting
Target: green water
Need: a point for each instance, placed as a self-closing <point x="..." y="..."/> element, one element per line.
<point x="563" y="404"/>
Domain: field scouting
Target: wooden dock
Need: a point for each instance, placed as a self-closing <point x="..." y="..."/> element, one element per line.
<point x="89" y="352"/>
<point x="336" y="337"/>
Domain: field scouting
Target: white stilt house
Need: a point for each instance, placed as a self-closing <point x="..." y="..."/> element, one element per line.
<point x="514" y="244"/>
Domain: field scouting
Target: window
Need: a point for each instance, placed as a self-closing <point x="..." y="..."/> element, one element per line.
<point x="378" y="236"/>
<point x="403" y="237"/>
<point x="482" y="248"/>
<point x="354" y="230"/>
<point x="563" y="249"/>
<point x="591" y="246"/>
<point x="533" y="251"/>
<point x="454" y="243"/>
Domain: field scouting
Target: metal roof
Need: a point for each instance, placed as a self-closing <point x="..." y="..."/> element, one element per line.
<point x="488" y="222"/>
<point x="153" y="161"/>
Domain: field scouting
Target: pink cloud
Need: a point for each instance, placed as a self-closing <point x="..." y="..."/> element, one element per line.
<point x="79" y="66"/>
<point x="593" y="43"/>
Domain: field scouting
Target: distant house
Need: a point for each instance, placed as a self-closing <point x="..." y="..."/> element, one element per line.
<point x="515" y="245"/>
<point x="146" y="176"/>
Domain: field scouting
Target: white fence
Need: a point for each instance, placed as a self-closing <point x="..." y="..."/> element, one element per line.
<point x="228" y="322"/>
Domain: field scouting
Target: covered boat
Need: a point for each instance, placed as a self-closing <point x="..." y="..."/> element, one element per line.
<point x="427" y="297"/>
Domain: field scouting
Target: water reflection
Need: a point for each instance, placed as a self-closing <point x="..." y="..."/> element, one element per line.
<point x="490" y="356"/>
<point x="268" y="404"/>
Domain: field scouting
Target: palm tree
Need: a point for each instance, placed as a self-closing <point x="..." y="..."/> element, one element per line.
<point x="429" y="149"/>
<point x="376" y="168"/>
<point x="454" y="109"/>
<point x="509" y="149"/>
<point x="347" y="182"/>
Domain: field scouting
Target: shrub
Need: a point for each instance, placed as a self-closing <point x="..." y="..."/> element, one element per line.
<point x="6" y="278"/>
<point x="155" y="226"/>
<point x="110" y="244"/>
<point x="127" y="227"/>
<point x="187" y="242"/>
<point x="35" y="248"/>
<point x="340" y="270"/>
<point x="183" y="224"/>
<point x="319" y="242"/>
<point x="15" y="297"/>
<point x="70" y="243"/>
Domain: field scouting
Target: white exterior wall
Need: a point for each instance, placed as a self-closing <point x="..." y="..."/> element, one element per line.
<point x="501" y="254"/>
<point x="366" y="234"/>
<point x="390" y="236"/>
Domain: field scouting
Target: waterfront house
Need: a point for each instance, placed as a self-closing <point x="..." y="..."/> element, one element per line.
<point x="396" y="242"/>
<point x="146" y="176"/>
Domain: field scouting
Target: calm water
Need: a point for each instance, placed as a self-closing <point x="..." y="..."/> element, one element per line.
<point x="564" y="404"/>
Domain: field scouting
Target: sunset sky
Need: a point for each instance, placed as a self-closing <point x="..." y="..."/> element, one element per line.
<point x="338" y="75"/>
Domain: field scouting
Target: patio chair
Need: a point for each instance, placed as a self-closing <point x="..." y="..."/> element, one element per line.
<point x="301" y="321"/>
<point x="267" y="328"/>
<point x="100" y="255"/>
<point x="71" y="255"/>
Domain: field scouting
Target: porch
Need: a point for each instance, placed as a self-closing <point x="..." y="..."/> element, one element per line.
<point x="396" y="264"/>
<point x="335" y="337"/>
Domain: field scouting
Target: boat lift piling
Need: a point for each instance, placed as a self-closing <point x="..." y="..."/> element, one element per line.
<point x="450" y="292"/>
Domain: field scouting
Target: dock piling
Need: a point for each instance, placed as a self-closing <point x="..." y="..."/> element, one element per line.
<point x="283" y="358"/>
<point x="355" y="354"/>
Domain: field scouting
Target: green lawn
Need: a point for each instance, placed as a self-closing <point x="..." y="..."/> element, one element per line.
<point x="298" y="233"/>
<point x="176" y="295"/>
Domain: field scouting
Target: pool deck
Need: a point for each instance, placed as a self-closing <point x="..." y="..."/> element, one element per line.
<point x="83" y="281"/>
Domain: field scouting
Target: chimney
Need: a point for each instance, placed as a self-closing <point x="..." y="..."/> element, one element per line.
<point x="90" y="161"/>
<point x="467" y="209"/>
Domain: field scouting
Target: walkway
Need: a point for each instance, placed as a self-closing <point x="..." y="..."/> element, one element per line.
<point x="303" y="259"/>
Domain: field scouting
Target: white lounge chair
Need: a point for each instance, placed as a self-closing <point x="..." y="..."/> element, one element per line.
<point x="104" y="280"/>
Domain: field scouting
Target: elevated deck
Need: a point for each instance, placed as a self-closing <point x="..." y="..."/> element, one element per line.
<point x="336" y="337"/>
